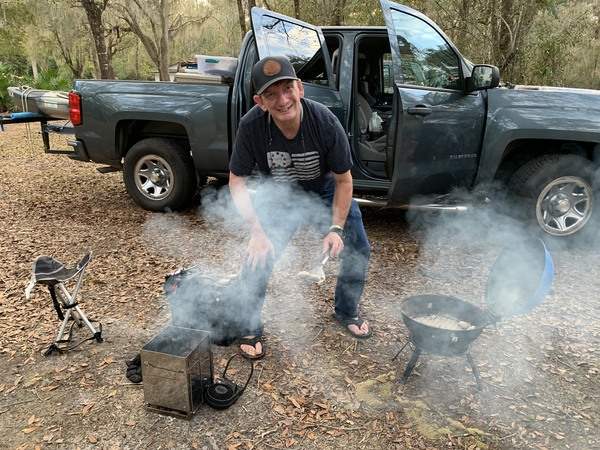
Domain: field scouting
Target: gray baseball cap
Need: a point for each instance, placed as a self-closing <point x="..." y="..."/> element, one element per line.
<point x="271" y="69"/>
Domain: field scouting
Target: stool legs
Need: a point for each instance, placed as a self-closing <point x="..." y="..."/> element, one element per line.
<point x="72" y="310"/>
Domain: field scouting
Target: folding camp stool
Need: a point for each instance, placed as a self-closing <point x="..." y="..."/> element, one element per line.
<point x="52" y="273"/>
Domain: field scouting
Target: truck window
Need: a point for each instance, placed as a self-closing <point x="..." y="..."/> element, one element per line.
<point x="300" y="45"/>
<point x="374" y="69"/>
<point x="425" y="57"/>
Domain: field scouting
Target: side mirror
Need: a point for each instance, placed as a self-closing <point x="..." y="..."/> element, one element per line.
<point x="483" y="77"/>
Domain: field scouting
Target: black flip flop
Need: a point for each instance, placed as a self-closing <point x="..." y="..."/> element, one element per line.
<point x="345" y="323"/>
<point x="252" y="342"/>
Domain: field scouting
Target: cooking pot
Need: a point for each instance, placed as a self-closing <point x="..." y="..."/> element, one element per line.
<point x="519" y="280"/>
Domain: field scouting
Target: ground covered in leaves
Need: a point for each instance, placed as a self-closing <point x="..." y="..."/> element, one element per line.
<point x="317" y="387"/>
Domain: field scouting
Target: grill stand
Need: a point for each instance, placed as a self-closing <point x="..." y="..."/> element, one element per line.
<point x="418" y="351"/>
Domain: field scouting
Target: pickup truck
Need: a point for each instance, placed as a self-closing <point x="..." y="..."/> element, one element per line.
<point x="449" y="126"/>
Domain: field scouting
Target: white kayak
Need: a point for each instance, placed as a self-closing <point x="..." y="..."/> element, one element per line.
<point x="49" y="103"/>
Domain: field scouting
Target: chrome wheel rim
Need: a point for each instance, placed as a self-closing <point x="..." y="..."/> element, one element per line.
<point x="153" y="177"/>
<point x="564" y="206"/>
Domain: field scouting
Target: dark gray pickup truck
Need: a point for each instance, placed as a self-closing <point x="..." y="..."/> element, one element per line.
<point x="448" y="127"/>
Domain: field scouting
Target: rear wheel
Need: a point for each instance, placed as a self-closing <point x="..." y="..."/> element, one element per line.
<point x="159" y="174"/>
<point x="557" y="192"/>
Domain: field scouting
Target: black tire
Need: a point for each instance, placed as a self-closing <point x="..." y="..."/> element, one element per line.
<point x="159" y="175"/>
<point x="557" y="193"/>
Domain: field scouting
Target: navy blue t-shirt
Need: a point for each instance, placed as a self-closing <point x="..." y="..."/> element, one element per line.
<point x="320" y="147"/>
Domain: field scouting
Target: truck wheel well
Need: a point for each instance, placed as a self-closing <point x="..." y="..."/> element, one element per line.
<point x="521" y="151"/>
<point x="129" y="132"/>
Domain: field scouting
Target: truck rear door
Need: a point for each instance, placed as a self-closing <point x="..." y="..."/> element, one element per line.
<point x="304" y="45"/>
<point x="437" y="128"/>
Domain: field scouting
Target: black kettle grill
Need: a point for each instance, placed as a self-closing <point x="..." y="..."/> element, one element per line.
<point x="519" y="280"/>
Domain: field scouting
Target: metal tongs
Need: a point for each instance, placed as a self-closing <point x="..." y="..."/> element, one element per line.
<point x="316" y="274"/>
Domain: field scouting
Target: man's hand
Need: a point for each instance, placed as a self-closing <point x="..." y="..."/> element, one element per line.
<point x="259" y="249"/>
<point x="333" y="244"/>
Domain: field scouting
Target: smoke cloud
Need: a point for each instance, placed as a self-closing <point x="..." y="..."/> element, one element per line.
<point x="217" y="260"/>
<point x="273" y="202"/>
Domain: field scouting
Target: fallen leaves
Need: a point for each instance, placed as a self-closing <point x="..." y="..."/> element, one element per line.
<point x="294" y="401"/>
<point x="49" y="388"/>
<point x="540" y="371"/>
<point x="86" y="409"/>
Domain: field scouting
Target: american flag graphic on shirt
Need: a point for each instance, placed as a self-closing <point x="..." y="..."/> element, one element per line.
<point x="296" y="167"/>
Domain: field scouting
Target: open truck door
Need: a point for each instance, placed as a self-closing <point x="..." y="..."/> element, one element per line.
<point x="304" y="45"/>
<point x="437" y="126"/>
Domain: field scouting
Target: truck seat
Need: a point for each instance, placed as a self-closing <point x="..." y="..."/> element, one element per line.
<point x="364" y="112"/>
<point x="363" y="79"/>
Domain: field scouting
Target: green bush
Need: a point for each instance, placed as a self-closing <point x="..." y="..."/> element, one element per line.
<point x="49" y="79"/>
<point x="7" y="78"/>
<point x="52" y="80"/>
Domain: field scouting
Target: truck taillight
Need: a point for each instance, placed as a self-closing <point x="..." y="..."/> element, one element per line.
<point x="75" y="108"/>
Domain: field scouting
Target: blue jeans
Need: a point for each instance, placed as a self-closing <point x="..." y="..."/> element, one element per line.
<point x="280" y="228"/>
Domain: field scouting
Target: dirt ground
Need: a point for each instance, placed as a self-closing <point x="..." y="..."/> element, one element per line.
<point x="317" y="388"/>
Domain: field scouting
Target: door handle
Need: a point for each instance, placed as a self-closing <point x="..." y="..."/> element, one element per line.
<point x="419" y="110"/>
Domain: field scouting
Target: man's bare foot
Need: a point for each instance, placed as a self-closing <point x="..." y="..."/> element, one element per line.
<point x="362" y="331"/>
<point x="252" y="347"/>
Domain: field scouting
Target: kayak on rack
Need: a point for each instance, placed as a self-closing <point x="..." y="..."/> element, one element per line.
<point x="49" y="103"/>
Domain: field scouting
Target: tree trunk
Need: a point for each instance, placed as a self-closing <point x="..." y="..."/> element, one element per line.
<point x="94" y="12"/>
<point x="596" y="64"/>
<point x="242" y="17"/>
<point x="34" y="67"/>
<point x="463" y="21"/>
<point x="338" y="13"/>
<point x="514" y="21"/>
<point x="252" y="4"/>
<point x="164" y="51"/>
<point x="152" y="43"/>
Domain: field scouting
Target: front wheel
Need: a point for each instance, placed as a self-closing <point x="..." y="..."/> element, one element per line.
<point x="557" y="192"/>
<point x="159" y="175"/>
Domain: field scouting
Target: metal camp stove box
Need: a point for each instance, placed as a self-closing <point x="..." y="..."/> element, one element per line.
<point x="176" y="367"/>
